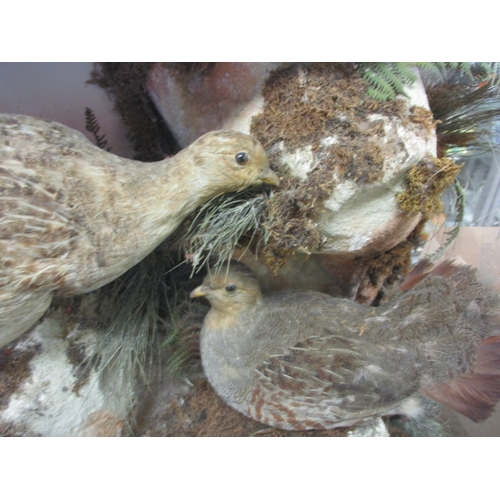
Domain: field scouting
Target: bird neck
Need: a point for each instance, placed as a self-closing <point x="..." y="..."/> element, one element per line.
<point x="226" y="335"/>
<point x="173" y="189"/>
<point x="138" y="208"/>
<point x="226" y="315"/>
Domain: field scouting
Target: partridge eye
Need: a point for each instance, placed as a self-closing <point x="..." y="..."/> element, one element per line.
<point x="242" y="158"/>
<point x="230" y="287"/>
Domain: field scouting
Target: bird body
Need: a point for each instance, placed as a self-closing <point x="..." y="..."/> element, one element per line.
<point x="304" y="360"/>
<point x="74" y="217"/>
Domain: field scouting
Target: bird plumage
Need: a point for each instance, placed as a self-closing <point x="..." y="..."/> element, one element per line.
<point x="304" y="360"/>
<point x="73" y="217"/>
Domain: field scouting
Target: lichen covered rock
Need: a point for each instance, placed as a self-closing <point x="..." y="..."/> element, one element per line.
<point x="58" y="391"/>
<point x="343" y="156"/>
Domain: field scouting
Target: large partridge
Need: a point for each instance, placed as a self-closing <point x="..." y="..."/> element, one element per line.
<point x="74" y="217"/>
<point x="304" y="360"/>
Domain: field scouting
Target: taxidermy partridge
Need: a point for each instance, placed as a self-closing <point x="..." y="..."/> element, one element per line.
<point x="74" y="217"/>
<point x="303" y="360"/>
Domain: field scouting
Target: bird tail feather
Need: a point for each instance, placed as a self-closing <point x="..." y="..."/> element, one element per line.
<point x="423" y="269"/>
<point x="475" y="394"/>
<point x="477" y="306"/>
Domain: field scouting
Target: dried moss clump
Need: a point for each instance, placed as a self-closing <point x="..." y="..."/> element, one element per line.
<point x="423" y="116"/>
<point x="322" y="108"/>
<point x="14" y="370"/>
<point x="288" y="226"/>
<point x="426" y="182"/>
<point x="307" y="103"/>
<point x="383" y="269"/>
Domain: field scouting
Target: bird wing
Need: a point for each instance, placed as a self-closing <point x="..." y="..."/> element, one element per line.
<point x="333" y="375"/>
<point x="326" y="380"/>
<point x="35" y="228"/>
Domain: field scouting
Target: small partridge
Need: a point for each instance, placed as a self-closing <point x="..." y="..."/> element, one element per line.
<point x="303" y="360"/>
<point x="74" y="217"/>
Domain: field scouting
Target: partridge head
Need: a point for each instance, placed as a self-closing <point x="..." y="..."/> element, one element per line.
<point x="303" y="360"/>
<point x="74" y="217"/>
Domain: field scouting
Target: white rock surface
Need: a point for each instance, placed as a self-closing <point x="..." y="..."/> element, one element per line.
<point x="358" y="219"/>
<point x="47" y="402"/>
<point x="371" y="428"/>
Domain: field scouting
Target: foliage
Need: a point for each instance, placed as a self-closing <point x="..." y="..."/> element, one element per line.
<point x="132" y="308"/>
<point x="387" y="80"/>
<point x="92" y="125"/>
<point x="465" y="112"/>
<point x="126" y="83"/>
<point x="185" y="322"/>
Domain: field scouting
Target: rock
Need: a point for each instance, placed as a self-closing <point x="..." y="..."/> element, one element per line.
<point x="372" y="428"/>
<point x="197" y="98"/>
<point x="350" y="158"/>
<point x="61" y="394"/>
<point x="344" y="158"/>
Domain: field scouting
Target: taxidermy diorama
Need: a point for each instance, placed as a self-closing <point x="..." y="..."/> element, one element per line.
<point x="254" y="270"/>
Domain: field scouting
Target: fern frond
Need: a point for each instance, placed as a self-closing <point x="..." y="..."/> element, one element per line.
<point x="437" y="69"/>
<point x="387" y="80"/>
<point x="380" y="88"/>
<point x="92" y="125"/>
<point x="397" y="75"/>
<point x="405" y="71"/>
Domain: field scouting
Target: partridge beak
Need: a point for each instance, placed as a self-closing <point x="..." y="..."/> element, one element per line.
<point x="267" y="176"/>
<point x="200" y="291"/>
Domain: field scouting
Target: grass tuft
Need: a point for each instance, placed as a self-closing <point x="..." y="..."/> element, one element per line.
<point x="218" y="227"/>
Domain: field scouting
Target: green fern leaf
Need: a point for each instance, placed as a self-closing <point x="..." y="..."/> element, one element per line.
<point x="438" y="69"/>
<point x="398" y="75"/>
<point x="380" y="88"/>
<point x="387" y="80"/>
<point x="405" y="71"/>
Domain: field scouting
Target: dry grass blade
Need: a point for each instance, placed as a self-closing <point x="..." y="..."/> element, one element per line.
<point x="218" y="227"/>
<point x="184" y="325"/>
<point x="129" y="349"/>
